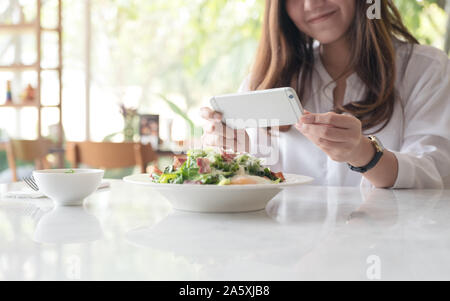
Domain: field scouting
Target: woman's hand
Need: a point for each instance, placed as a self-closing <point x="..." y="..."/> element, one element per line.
<point x="339" y="136"/>
<point x="217" y="134"/>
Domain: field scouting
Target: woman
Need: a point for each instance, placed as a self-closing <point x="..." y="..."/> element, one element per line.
<point x="359" y="76"/>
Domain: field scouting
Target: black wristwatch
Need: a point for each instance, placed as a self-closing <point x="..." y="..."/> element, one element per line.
<point x="379" y="150"/>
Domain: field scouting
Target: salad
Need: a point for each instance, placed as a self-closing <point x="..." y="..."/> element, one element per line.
<point x="215" y="167"/>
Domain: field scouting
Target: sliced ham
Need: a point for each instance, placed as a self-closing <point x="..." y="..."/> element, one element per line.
<point x="192" y="182"/>
<point x="154" y="169"/>
<point x="178" y="161"/>
<point x="203" y="165"/>
<point x="279" y="175"/>
<point x="227" y="157"/>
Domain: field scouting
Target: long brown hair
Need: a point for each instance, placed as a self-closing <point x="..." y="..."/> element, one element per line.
<point x="285" y="53"/>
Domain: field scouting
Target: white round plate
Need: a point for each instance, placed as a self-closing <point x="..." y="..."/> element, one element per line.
<point x="214" y="198"/>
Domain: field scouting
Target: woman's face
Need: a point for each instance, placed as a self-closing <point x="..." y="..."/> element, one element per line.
<point x="324" y="20"/>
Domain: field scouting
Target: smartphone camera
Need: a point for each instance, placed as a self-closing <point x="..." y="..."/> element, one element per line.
<point x="291" y="96"/>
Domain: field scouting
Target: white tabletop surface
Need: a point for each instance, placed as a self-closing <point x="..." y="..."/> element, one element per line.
<point x="129" y="232"/>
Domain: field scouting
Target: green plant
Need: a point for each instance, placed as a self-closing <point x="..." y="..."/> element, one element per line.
<point x="131" y="125"/>
<point x="195" y="131"/>
<point x="426" y="19"/>
<point x="3" y="161"/>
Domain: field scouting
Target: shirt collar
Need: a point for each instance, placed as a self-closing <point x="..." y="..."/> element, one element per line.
<point x="327" y="85"/>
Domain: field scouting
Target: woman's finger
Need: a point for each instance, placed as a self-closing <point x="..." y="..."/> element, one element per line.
<point x="330" y="145"/>
<point x="211" y="126"/>
<point x="337" y="120"/>
<point x="327" y="132"/>
<point x="206" y="112"/>
<point x="209" y="114"/>
<point x="323" y="143"/>
<point x="220" y="129"/>
<point x="218" y="141"/>
<point x="302" y="129"/>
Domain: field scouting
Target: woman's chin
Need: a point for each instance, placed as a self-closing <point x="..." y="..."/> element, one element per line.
<point x="327" y="37"/>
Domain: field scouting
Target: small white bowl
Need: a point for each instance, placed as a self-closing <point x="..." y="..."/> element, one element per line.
<point x="68" y="189"/>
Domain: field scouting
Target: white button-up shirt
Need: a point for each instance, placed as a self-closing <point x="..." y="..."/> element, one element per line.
<point x="418" y="133"/>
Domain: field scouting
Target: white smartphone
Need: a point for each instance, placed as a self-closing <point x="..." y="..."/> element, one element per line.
<point x="262" y="108"/>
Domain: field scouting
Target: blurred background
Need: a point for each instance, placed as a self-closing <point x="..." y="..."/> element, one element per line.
<point x="134" y="70"/>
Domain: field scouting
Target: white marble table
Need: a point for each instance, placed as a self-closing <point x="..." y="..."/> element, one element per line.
<point x="129" y="232"/>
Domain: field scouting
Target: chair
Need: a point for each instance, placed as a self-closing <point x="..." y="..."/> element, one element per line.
<point x="109" y="154"/>
<point x="28" y="150"/>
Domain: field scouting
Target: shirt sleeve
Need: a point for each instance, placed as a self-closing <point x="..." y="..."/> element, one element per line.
<point x="424" y="157"/>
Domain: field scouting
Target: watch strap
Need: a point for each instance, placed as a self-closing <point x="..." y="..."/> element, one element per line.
<point x="369" y="166"/>
<point x="376" y="158"/>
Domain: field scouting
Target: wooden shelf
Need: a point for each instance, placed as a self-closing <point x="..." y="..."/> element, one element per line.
<point x="50" y="68"/>
<point x="56" y="29"/>
<point x="25" y="27"/>
<point x="18" y="105"/>
<point x="24" y="105"/>
<point x="12" y="68"/>
<point x="18" y="67"/>
<point x="50" y="106"/>
<point x="17" y="28"/>
<point x="37" y="29"/>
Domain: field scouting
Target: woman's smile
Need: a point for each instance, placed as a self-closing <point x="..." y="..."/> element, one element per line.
<point x="324" y="21"/>
<point x="319" y="18"/>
